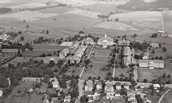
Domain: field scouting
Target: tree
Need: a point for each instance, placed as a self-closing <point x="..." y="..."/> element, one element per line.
<point x="117" y="19"/>
<point x="145" y="80"/>
<point x="134" y="37"/>
<point x="47" y="31"/>
<point x="27" y="26"/>
<point x="164" y="49"/>
<point x="22" y="38"/>
<point x="154" y="35"/>
<point x="83" y="99"/>
<point x="3" y="82"/>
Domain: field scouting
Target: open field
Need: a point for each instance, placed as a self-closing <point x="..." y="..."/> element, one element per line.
<point x="115" y="26"/>
<point x="84" y="13"/>
<point x="26" y="15"/>
<point x="167" y="18"/>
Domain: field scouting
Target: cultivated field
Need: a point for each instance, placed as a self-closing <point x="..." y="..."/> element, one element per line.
<point x="115" y="26"/>
<point x="167" y="18"/>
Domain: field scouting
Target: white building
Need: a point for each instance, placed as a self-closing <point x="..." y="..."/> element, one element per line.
<point x="89" y="85"/>
<point x="4" y="37"/>
<point x="124" y="42"/>
<point x="1" y="92"/>
<point x="88" y="41"/>
<point x="105" y="41"/>
<point x="55" y="83"/>
<point x="109" y="90"/>
<point x="154" y="45"/>
<point x="63" y="53"/>
<point x="151" y="64"/>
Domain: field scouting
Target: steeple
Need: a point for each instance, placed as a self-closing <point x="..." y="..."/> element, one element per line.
<point x="105" y="35"/>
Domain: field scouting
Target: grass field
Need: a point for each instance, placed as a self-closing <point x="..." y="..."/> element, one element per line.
<point x="167" y="18"/>
<point x="98" y="61"/>
<point x="16" y="97"/>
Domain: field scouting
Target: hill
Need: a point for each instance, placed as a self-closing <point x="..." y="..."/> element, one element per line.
<point x="142" y="5"/>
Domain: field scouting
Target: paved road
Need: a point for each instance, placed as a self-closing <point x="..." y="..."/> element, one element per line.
<point x="163" y="95"/>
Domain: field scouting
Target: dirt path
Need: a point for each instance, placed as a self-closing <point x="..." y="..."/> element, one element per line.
<point x="163" y="96"/>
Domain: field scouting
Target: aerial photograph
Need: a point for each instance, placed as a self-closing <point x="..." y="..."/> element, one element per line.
<point x="85" y="51"/>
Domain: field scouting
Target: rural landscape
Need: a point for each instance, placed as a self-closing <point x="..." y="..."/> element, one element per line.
<point x="85" y="51"/>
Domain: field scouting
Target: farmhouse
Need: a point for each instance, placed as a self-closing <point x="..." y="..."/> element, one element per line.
<point x="151" y="64"/>
<point x="88" y="41"/>
<point x="64" y="53"/>
<point x="55" y="83"/>
<point x="154" y="45"/>
<point x="105" y="41"/>
<point x="124" y="42"/>
<point x="67" y="99"/>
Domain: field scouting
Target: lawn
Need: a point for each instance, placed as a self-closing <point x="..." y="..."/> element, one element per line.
<point x="16" y="97"/>
<point x="98" y="61"/>
<point x="167" y="97"/>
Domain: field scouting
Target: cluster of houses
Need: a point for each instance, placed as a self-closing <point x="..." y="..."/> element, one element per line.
<point x="112" y="90"/>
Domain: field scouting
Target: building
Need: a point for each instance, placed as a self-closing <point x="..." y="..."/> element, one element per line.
<point x="117" y="93"/>
<point x="63" y="53"/>
<point x="67" y="99"/>
<point x="55" y="83"/>
<point x="109" y="90"/>
<point x="156" y="86"/>
<point x="4" y="37"/>
<point x="154" y="45"/>
<point x="128" y="56"/>
<point x="78" y="54"/>
<point x="124" y="42"/>
<point x="105" y="41"/>
<point x="126" y="86"/>
<point x="151" y="64"/>
<point x="89" y="88"/>
<point x="68" y="44"/>
<point x="47" y="59"/>
<point x="30" y="79"/>
<point x="1" y="93"/>
<point x="89" y="85"/>
<point x="145" y="56"/>
<point x="88" y="41"/>
<point x="118" y="86"/>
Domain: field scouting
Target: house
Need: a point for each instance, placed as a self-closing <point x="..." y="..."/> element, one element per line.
<point x="55" y="83"/>
<point x="90" y="99"/>
<point x="117" y="93"/>
<point x="156" y="86"/>
<point x="63" y="53"/>
<point x="151" y="64"/>
<point x="88" y="41"/>
<point x="67" y="99"/>
<point x="109" y="90"/>
<point x="131" y="96"/>
<point x="123" y="42"/>
<point x="1" y="93"/>
<point x="126" y="86"/>
<point x="99" y="85"/>
<point x="89" y="85"/>
<point x="145" y="56"/>
<point x="4" y="37"/>
<point x="105" y="41"/>
<point x="154" y="45"/>
<point x="118" y="86"/>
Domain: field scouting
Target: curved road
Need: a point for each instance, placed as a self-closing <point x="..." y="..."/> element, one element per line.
<point x="163" y="96"/>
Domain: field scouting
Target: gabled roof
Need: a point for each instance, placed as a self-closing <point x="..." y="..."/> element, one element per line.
<point x="118" y="84"/>
<point x="106" y="39"/>
<point x="147" y="61"/>
<point x="89" y="83"/>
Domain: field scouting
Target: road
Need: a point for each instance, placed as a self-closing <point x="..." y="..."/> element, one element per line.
<point x="163" y="96"/>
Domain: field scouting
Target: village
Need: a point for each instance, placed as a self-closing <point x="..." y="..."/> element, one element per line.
<point x="83" y="69"/>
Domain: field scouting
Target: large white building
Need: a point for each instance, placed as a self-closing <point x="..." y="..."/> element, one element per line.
<point x="151" y="64"/>
<point x="105" y="41"/>
<point x="63" y="53"/>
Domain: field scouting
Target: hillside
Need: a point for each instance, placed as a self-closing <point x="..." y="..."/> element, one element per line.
<point x="141" y="5"/>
